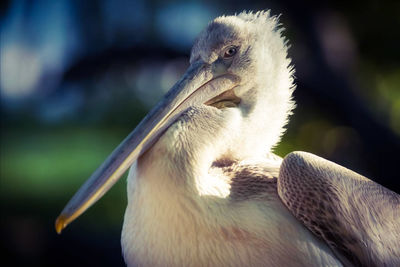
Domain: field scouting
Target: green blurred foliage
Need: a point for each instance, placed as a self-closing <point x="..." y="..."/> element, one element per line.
<point x="46" y="165"/>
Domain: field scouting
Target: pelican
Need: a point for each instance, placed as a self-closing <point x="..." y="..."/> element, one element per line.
<point x="205" y="189"/>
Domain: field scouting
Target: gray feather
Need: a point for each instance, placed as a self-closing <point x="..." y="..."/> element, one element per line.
<point x="358" y="218"/>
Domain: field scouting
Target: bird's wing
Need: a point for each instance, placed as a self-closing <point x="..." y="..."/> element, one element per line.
<point x="358" y="218"/>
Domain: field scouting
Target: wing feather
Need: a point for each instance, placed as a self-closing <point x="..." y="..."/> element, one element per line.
<point x="358" y="218"/>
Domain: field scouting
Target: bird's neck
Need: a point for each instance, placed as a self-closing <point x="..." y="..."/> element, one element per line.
<point x="179" y="212"/>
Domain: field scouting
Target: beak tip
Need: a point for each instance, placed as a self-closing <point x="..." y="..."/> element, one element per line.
<point x="60" y="223"/>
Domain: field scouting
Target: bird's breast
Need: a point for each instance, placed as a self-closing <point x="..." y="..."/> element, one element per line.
<point x="167" y="225"/>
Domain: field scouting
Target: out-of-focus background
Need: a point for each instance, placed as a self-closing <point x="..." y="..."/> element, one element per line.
<point x="77" y="76"/>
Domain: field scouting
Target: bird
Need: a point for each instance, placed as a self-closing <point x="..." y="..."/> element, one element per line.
<point x="204" y="186"/>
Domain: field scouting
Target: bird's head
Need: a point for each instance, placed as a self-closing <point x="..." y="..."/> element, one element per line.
<point x="249" y="47"/>
<point x="238" y="67"/>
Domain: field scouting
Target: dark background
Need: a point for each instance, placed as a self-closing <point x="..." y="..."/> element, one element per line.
<point x="77" y="76"/>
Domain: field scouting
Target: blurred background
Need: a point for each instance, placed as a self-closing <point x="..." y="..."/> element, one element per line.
<point x="77" y="76"/>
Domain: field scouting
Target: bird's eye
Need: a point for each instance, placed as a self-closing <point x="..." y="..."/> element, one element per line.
<point x="230" y="52"/>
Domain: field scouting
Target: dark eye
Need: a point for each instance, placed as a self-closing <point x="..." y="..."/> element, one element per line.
<point x="230" y="52"/>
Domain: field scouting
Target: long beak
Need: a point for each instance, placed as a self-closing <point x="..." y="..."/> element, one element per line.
<point x="197" y="86"/>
